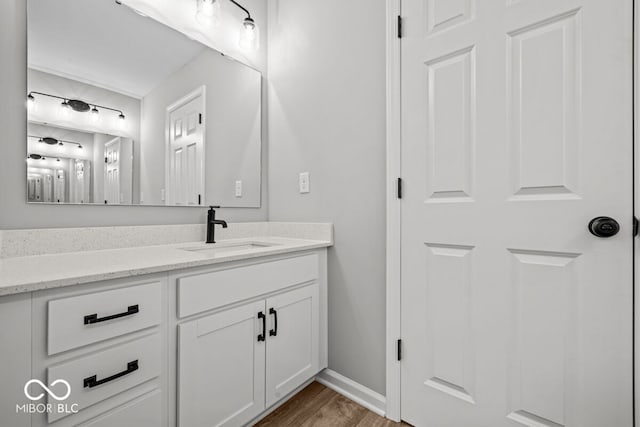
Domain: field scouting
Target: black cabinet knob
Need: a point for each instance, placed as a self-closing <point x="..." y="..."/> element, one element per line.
<point x="603" y="226"/>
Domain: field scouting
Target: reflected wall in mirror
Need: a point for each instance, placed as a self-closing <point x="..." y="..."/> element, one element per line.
<point x="124" y="110"/>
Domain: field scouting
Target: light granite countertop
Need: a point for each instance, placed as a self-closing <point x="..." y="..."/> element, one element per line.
<point x="47" y="271"/>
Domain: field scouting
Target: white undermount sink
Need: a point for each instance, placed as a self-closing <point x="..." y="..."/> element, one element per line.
<point x="224" y="248"/>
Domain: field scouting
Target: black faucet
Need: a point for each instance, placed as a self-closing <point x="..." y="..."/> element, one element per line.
<point x="212" y="222"/>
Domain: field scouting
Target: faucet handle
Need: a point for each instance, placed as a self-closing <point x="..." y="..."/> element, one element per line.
<point x="214" y="207"/>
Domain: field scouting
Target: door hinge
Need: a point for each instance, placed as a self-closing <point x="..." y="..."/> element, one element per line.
<point x="635" y="226"/>
<point x="399" y="26"/>
<point x="399" y="350"/>
<point x="200" y="118"/>
<point x="399" y="189"/>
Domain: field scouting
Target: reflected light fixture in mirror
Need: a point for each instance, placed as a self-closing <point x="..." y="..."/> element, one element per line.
<point x="67" y="105"/>
<point x="49" y="140"/>
<point x="64" y="110"/>
<point x="31" y="102"/>
<point x="95" y="115"/>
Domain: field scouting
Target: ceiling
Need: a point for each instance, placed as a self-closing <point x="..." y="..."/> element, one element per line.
<point x="105" y="44"/>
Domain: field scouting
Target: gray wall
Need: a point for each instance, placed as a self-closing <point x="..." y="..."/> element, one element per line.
<point x="327" y="116"/>
<point x="14" y="211"/>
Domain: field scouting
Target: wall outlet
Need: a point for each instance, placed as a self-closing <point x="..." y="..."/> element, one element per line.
<point x="238" y="188"/>
<point x="303" y="182"/>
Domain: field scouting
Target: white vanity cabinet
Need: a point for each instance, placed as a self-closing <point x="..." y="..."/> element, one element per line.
<point x="213" y="345"/>
<point x="256" y="337"/>
<point x="235" y="363"/>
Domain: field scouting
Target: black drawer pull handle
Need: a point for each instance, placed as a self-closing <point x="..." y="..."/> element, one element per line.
<point x="273" y="332"/>
<point x="90" y="319"/>
<point x="264" y="325"/>
<point x="92" y="381"/>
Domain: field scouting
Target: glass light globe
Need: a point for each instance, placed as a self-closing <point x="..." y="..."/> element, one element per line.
<point x="249" y="35"/>
<point x="208" y="12"/>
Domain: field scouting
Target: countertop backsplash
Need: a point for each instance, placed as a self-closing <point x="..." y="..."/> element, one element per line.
<point x="29" y="242"/>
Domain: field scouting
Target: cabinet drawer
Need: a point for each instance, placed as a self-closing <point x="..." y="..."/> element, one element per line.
<point x="145" y="411"/>
<point x="77" y="321"/>
<point x="207" y="291"/>
<point x="99" y="376"/>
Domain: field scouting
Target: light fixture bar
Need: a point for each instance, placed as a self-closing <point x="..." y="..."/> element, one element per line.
<point x="242" y="7"/>
<point x="59" y="141"/>
<point x="30" y="96"/>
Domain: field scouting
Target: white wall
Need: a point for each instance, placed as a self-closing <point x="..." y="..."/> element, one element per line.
<point x="327" y="116"/>
<point x="14" y="211"/>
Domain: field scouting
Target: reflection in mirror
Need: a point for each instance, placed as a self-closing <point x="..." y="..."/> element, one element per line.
<point x="124" y="110"/>
<point x="70" y="166"/>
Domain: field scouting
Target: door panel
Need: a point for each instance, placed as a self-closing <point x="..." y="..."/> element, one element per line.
<point x="450" y="134"/>
<point x="516" y="132"/>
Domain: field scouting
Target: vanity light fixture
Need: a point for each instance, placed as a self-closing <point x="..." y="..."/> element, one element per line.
<point x="208" y="12"/>
<point x="73" y="104"/>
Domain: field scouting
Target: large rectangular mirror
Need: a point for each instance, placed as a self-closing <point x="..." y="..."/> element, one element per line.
<point x="125" y="110"/>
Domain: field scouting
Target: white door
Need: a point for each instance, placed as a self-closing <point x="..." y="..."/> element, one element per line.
<point x="185" y="174"/>
<point x="33" y="181"/>
<point x="292" y="341"/>
<point x="60" y="187"/>
<point x="516" y="132"/>
<point x="47" y="185"/>
<point x="80" y="181"/>
<point x="112" y="172"/>
<point x="221" y="368"/>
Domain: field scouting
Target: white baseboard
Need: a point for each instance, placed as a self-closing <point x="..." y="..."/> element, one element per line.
<point x="350" y="389"/>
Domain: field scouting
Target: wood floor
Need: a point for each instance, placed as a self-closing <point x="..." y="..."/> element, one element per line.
<point x="319" y="406"/>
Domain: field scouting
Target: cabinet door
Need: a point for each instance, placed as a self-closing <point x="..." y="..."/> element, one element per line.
<point x="221" y="368"/>
<point x="292" y="344"/>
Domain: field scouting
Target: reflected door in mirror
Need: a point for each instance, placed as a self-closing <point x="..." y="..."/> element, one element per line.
<point x="185" y="175"/>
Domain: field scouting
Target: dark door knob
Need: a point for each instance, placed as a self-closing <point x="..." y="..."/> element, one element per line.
<point x="603" y="226"/>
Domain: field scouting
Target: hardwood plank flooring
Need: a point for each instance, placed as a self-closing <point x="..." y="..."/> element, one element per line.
<point x="319" y="406"/>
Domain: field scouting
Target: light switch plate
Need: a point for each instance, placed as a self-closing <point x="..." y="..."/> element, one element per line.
<point x="238" y="188"/>
<point x="303" y="182"/>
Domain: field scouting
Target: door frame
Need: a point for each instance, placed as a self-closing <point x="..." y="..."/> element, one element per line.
<point x="394" y="209"/>
<point x="200" y="91"/>
<point x="394" y="152"/>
